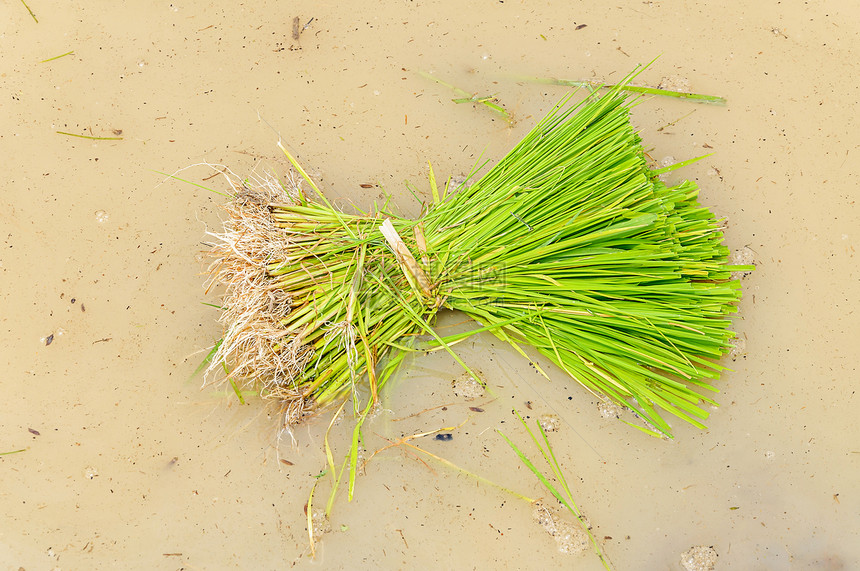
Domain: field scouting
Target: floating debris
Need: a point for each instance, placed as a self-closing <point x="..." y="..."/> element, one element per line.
<point x="549" y="422"/>
<point x="674" y="83"/>
<point x="570" y="537"/>
<point x="699" y="558"/>
<point x="737" y="348"/>
<point x="742" y="257"/>
<point x="609" y="409"/>
<point x="468" y="387"/>
<point x="322" y="524"/>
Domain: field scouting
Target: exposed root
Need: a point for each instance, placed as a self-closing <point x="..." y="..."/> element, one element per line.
<point x="257" y="349"/>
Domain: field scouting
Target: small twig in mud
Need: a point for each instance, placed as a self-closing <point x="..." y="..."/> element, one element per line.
<point x="298" y="28"/>
<point x="473" y="408"/>
<point x="405" y="440"/>
<point x="420" y="412"/>
<point x="211" y="176"/>
<point x="676" y="121"/>
<point x="409" y="453"/>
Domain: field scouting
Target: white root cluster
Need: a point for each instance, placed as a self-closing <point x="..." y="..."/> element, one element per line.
<point x="255" y="350"/>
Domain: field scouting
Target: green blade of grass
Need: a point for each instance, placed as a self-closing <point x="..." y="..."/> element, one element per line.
<point x="548" y="456"/>
<point x="310" y="181"/>
<point x="90" y="137"/>
<point x="30" y="11"/>
<point x="699" y="97"/>
<point x="207" y="360"/>
<point x="330" y="459"/>
<point x="353" y="451"/>
<point x="433" y="188"/>
<point x="310" y="518"/>
<point x="58" y="57"/>
<point x="543" y="479"/>
<point x="424" y="326"/>
<point x="237" y="392"/>
<point x="571" y="507"/>
<point x="679" y="165"/>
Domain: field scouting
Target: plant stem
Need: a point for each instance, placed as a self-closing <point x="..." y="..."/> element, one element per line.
<point x="91" y="138"/>
<point x="698" y="97"/>
<point x="30" y="11"/>
<point x="58" y="57"/>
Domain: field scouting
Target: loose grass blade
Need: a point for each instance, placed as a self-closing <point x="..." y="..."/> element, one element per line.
<point x="30" y="11"/>
<point x="91" y="138"/>
<point x="310" y="519"/>
<point x="207" y="360"/>
<point x="698" y="97"/>
<point x="58" y="57"/>
<point x="567" y="499"/>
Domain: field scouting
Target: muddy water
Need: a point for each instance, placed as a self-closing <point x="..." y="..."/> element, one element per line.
<point x="126" y="463"/>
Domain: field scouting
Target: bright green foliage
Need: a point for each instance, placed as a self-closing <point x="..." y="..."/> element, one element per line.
<point x="569" y="245"/>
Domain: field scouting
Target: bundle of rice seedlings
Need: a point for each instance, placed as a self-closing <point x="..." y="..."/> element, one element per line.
<point x="571" y="245"/>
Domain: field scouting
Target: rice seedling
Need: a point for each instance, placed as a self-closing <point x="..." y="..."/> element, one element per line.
<point x="565" y="499"/>
<point x="570" y="245"/>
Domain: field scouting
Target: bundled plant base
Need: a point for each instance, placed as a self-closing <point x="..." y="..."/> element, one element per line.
<point x="569" y="245"/>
